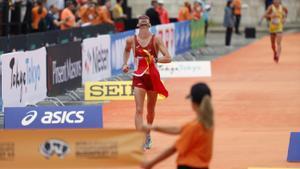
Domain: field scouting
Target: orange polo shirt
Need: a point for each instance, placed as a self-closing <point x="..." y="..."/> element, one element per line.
<point x="87" y="14"/>
<point x="67" y="14"/>
<point x="104" y="15"/>
<point x="36" y="17"/>
<point x="184" y="14"/>
<point x="194" y="145"/>
<point x="237" y="4"/>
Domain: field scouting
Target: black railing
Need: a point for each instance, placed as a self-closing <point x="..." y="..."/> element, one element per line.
<point x="36" y="40"/>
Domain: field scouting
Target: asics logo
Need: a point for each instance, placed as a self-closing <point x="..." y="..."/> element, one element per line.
<point x="57" y="117"/>
<point x="29" y="118"/>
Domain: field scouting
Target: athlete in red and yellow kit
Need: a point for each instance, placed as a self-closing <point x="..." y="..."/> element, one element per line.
<point x="146" y="78"/>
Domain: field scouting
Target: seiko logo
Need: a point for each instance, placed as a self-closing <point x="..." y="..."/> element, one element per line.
<point x="57" y="117"/>
<point x="29" y="118"/>
<point x="54" y="147"/>
<point x="111" y="90"/>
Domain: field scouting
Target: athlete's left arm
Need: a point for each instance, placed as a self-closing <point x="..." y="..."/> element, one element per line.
<point x="285" y="11"/>
<point x="162" y="48"/>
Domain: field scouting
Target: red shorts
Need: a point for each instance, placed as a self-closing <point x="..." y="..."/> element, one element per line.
<point x="143" y="82"/>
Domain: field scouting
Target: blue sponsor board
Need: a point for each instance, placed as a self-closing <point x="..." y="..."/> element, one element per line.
<point x="294" y="148"/>
<point x="48" y="117"/>
<point x="118" y="42"/>
<point x="182" y="36"/>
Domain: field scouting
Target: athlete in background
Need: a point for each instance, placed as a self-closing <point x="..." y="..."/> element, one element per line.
<point x="276" y="14"/>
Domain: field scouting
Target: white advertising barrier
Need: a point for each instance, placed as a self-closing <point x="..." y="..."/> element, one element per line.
<point x="167" y="34"/>
<point x="96" y="61"/>
<point x="185" y="69"/>
<point x="24" y="78"/>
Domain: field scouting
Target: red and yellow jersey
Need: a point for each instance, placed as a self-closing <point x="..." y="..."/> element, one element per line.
<point x="144" y="61"/>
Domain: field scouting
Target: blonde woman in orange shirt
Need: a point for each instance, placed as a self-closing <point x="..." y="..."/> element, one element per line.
<point x="194" y="146"/>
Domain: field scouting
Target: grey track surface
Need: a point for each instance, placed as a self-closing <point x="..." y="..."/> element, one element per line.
<point x="214" y="48"/>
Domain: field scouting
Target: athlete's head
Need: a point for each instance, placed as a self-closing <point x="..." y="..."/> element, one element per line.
<point x="144" y="22"/>
<point x="120" y="1"/>
<point x="276" y="2"/>
<point x="200" y="96"/>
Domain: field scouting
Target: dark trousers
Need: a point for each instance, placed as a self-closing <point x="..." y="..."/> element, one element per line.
<point x="228" y="36"/>
<point x="237" y="23"/>
<point x="186" y="167"/>
<point x="206" y="27"/>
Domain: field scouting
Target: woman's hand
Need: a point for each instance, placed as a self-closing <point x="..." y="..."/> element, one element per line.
<point x="125" y="68"/>
<point x="146" y="165"/>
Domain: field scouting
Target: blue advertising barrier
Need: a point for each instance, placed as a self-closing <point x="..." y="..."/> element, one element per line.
<point x="294" y="148"/>
<point x="182" y="37"/>
<point x="48" y="117"/>
<point x="118" y="42"/>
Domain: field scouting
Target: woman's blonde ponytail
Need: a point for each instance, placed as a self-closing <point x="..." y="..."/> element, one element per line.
<point x="207" y="112"/>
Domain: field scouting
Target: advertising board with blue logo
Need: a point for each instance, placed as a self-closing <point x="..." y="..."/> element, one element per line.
<point x="118" y="42"/>
<point x="47" y="117"/>
<point x="25" y="78"/>
<point x="96" y="61"/>
<point x="182" y="36"/>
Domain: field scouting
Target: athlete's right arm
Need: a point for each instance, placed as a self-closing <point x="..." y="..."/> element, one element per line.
<point x="127" y="50"/>
<point x="266" y="14"/>
<point x="167" y="130"/>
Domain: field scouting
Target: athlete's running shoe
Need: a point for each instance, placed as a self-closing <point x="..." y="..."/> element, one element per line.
<point x="148" y="142"/>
